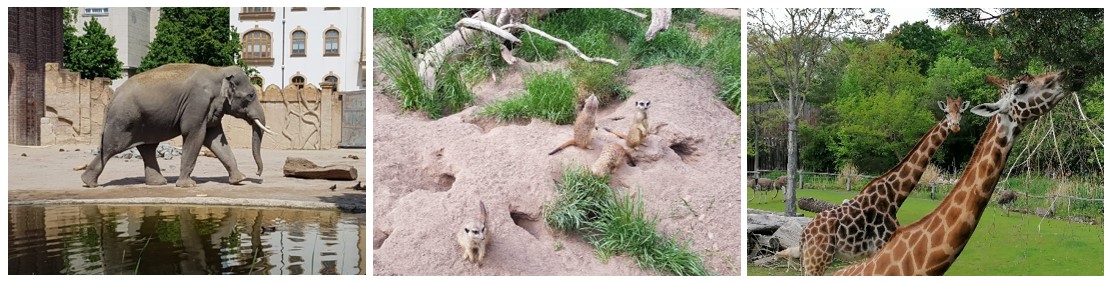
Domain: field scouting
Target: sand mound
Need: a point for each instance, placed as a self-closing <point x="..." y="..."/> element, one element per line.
<point x="429" y="176"/>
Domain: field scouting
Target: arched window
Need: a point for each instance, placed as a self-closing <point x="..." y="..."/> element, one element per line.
<point x="256" y="48"/>
<point x="331" y="79"/>
<point x="298" y="81"/>
<point x="332" y="42"/>
<point x="297" y="44"/>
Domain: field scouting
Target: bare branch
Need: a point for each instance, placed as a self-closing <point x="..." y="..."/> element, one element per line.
<point x="662" y="18"/>
<point x="485" y="26"/>
<point x="561" y="42"/>
<point x="635" y="13"/>
<point x="1086" y="122"/>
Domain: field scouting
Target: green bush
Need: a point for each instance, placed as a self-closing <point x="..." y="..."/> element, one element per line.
<point x="549" y="96"/>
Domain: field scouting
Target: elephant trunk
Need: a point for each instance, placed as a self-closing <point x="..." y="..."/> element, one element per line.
<point x="257" y="121"/>
<point x="256" y="145"/>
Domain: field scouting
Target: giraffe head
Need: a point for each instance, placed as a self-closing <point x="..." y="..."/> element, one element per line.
<point x="953" y="109"/>
<point x="1024" y="99"/>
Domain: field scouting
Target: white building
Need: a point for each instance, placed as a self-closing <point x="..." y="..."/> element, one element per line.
<point x="132" y="27"/>
<point x="323" y="46"/>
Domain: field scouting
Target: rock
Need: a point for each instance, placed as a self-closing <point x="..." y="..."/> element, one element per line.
<point x="61" y="150"/>
<point x="24" y="155"/>
<point x="303" y="168"/>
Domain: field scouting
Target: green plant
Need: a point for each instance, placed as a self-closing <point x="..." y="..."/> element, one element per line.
<point x="550" y="96"/>
<point x="616" y="224"/>
<point x="418" y="29"/>
<point x="450" y="94"/>
<point x="194" y="35"/>
<point x="92" y="54"/>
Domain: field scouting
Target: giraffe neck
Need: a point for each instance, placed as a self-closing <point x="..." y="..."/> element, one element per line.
<point x="907" y="173"/>
<point x="958" y="214"/>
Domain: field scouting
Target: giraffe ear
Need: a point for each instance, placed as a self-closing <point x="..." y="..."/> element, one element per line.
<point x="986" y="110"/>
<point x="941" y="106"/>
<point x="964" y="105"/>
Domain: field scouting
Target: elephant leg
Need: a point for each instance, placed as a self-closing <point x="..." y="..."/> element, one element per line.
<point x="191" y="146"/>
<point x="110" y="145"/>
<point x="218" y="143"/>
<point x="150" y="163"/>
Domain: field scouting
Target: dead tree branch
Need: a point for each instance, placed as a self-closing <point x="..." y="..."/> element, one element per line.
<point x="561" y="42"/>
<point x="662" y="18"/>
<point x="635" y="13"/>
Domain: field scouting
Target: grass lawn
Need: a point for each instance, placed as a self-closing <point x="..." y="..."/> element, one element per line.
<point x="1014" y="244"/>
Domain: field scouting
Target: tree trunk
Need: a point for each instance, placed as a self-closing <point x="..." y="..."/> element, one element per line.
<point x="793" y="154"/>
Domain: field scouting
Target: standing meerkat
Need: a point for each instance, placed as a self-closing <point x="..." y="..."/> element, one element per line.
<point x="640" y="127"/>
<point x="612" y="157"/>
<point x="584" y="124"/>
<point x="474" y="238"/>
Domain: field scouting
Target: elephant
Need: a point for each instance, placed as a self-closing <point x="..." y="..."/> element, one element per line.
<point x="185" y="100"/>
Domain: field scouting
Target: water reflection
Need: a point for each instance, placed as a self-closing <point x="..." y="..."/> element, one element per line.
<point x="102" y="239"/>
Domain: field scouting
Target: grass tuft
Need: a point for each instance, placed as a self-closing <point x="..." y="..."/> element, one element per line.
<point x="450" y="94"/>
<point x="418" y="29"/>
<point x="617" y="224"/>
<point x="550" y="96"/>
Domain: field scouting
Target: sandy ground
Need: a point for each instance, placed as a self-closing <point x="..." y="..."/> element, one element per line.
<point x="429" y="176"/>
<point x="45" y="175"/>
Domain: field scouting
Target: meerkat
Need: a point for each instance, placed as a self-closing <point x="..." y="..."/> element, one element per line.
<point x="612" y="157"/>
<point x="640" y="127"/>
<point x="584" y="125"/>
<point x="474" y="237"/>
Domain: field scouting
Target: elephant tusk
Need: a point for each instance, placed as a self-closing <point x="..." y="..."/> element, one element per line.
<point x="260" y="124"/>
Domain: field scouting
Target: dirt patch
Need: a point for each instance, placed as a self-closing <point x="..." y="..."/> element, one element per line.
<point x="688" y="167"/>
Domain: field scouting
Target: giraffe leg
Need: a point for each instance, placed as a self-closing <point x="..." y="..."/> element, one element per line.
<point x="818" y="248"/>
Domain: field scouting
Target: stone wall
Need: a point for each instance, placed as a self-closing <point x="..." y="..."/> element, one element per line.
<point x="307" y="118"/>
<point x="34" y="38"/>
<point x="74" y="107"/>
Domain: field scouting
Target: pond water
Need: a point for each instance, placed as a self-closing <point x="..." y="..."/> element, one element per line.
<point x="118" y="239"/>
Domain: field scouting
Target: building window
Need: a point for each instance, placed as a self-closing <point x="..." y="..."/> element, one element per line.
<point x="298" y="9"/>
<point x="297" y="44"/>
<point x="91" y="12"/>
<point x="298" y="81"/>
<point x="256" y="13"/>
<point x="332" y="42"/>
<point x="331" y="8"/>
<point x="256" y="48"/>
<point x="329" y="82"/>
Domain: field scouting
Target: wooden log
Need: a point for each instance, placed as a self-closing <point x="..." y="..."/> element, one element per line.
<point x="303" y="168"/>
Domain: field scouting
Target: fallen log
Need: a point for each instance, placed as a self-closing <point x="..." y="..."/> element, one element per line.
<point x="814" y="205"/>
<point x="303" y="168"/>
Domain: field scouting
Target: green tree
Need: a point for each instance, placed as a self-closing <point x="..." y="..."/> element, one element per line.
<point x="194" y="35"/>
<point x="69" y="35"/>
<point x="881" y="107"/>
<point x="93" y="54"/>
<point x="1062" y="39"/>
<point x="924" y="39"/>
<point x="789" y="44"/>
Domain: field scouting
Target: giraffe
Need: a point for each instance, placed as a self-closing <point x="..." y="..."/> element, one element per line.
<point x="929" y="246"/>
<point x="861" y="226"/>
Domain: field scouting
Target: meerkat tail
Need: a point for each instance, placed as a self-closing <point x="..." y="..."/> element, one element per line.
<point x="483" y="209"/>
<point x="615" y="133"/>
<point x="562" y="146"/>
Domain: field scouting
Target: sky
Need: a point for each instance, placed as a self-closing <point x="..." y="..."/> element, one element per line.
<point x="897" y="16"/>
